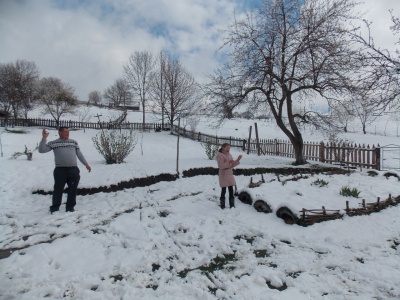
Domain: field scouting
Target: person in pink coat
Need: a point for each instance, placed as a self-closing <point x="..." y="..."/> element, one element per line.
<point x="225" y="173"/>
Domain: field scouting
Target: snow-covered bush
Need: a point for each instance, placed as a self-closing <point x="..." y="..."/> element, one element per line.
<point x="211" y="149"/>
<point x="115" y="145"/>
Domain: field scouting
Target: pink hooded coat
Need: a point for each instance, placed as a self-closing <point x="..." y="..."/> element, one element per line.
<point x="225" y="173"/>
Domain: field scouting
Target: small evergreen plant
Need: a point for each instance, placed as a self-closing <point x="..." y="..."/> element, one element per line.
<point x="211" y="149"/>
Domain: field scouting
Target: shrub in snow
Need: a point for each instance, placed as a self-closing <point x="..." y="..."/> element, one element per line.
<point x="115" y="145"/>
<point x="211" y="149"/>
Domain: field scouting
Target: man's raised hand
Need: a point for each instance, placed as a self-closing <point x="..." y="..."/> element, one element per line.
<point x="45" y="134"/>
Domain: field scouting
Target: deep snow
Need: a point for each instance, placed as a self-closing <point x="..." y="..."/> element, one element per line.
<point x="171" y="240"/>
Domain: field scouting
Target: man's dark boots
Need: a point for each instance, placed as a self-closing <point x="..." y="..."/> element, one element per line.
<point x="53" y="209"/>
<point x="222" y="202"/>
<point x="232" y="202"/>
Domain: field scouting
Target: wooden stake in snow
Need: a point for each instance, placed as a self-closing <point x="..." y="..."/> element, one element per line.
<point x="177" y="148"/>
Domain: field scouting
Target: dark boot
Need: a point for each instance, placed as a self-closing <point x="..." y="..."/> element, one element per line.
<point x="222" y="202"/>
<point x="232" y="202"/>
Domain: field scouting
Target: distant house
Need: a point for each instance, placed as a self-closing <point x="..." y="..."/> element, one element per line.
<point x="133" y="105"/>
<point x="130" y="105"/>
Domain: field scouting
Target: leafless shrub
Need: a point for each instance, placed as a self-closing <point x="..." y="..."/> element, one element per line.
<point x="115" y="145"/>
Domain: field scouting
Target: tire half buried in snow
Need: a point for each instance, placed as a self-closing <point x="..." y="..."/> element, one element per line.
<point x="262" y="206"/>
<point x="287" y="215"/>
<point x="245" y="198"/>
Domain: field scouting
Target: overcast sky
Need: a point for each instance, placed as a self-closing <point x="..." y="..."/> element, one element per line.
<point x="86" y="42"/>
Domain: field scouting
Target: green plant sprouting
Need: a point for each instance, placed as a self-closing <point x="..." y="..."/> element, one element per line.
<point x="349" y="192"/>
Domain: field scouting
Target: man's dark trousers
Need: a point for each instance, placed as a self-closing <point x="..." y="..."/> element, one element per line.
<point x="62" y="176"/>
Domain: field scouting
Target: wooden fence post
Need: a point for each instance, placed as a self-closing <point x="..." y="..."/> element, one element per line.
<point x="249" y="143"/>
<point x="322" y="152"/>
<point x="257" y="140"/>
<point x="378" y="158"/>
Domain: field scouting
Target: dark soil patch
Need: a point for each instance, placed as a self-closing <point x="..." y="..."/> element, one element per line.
<point x="133" y="183"/>
<point x="260" y="171"/>
<point x="4" y="253"/>
<point x="147" y="181"/>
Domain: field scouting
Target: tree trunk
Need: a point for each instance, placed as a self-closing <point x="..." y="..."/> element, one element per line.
<point x="298" y="152"/>
<point x="144" y="115"/>
<point x="296" y="139"/>
<point x="295" y="134"/>
<point x="162" y="117"/>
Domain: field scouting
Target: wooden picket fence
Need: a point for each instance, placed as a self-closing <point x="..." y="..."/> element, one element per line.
<point x="312" y="216"/>
<point x="49" y="123"/>
<point x="350" y="155"/>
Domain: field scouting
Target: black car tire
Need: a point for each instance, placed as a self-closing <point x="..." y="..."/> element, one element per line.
<point x="262" y="206"/>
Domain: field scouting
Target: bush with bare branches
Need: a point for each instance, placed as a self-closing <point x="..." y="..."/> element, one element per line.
<point x="115" y="145"/>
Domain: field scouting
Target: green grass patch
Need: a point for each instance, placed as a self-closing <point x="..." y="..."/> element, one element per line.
<point x="346" y="191"/>
<point x="320" y="183"/>
<point x="218" y="263"/>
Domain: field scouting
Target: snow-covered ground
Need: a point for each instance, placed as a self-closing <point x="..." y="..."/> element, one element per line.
<point x="171" y="240"/>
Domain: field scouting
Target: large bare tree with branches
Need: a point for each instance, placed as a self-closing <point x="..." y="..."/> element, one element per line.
<point x="119" y="93"/>
<point x="57" y="97"/>
<point x="18" y="87"/>
<point x="283" y="53"/>
<point x="94" y="98"/>
<point x="178" y="89"/>
<point x="137" y="73"/>
<point x="381" y="69"/>
<point x="158" y="88"/>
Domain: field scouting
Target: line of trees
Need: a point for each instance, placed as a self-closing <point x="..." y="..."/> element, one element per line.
<point x="21" y="88"/>
<point x="161" y="84"/>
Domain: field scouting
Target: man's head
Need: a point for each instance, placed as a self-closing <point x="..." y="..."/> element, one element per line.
<point x="63" y="132"/>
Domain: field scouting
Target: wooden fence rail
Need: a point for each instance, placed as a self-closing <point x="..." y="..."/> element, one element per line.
<point x="341" y="154"/>
<point x="76" y="124"/>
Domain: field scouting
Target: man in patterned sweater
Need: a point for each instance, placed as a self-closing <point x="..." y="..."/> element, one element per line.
<point x="66" y="170"/>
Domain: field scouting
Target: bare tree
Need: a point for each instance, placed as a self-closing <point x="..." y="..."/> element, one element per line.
<point x="57" y="97"/>
<point x="193" y="121"/>
<point x="137" y="72"/>
<point x="396" y="24"/>
<point x="18" y="87"/>
<point x="381" y="68"/>
<point x="365" y="108"/>
<point x="94" y="98"/>
<point x="181" y="91"/>
<point x="158" y="87"/>
<point x="287" y="52"/>
<point x="342" y="113"/>
<point x="118" y="93"/>
<point x="5" y="90"/>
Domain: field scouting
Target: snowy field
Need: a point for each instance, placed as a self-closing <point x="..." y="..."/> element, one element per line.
<point x="171" y="240"/>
